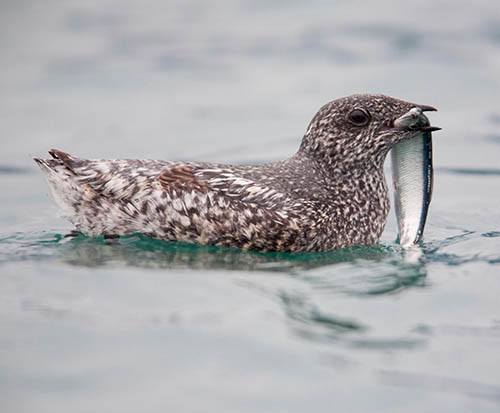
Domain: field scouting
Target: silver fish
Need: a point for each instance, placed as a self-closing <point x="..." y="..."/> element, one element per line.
<point x="412" y="173"/>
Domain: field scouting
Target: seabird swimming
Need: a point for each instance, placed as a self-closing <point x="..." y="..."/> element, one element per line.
<point x="331" y="194"/>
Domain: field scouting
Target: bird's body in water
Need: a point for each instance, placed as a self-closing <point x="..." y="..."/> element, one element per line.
<point x="331" y="194"/>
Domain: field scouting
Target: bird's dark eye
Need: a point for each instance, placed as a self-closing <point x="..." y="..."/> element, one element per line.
<point x="358" y="117"/>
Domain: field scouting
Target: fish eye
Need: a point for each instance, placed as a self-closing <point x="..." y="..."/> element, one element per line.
<point x="358" y="117"/>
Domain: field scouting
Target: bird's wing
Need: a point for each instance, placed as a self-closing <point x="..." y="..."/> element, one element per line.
<point x="225" y="209"/>
<point x="124" y="179"/>
<point x="222" y="181"/>
<point x="205" y="203"/>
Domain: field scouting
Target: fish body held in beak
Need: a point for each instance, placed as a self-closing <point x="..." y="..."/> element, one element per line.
<point x="412" y="173"/>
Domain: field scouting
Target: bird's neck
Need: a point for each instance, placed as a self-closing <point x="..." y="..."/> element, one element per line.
<point x="357" y="198"/>
<point x="336" y="169"/>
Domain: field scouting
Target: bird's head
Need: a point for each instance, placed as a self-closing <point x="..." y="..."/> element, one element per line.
<point x="359" y="130"/>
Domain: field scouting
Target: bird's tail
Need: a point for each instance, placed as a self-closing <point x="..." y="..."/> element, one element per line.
<point x="61" y="179"/>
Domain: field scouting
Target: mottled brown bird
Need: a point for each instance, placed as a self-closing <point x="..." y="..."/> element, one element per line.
<point x="330" y="194"/>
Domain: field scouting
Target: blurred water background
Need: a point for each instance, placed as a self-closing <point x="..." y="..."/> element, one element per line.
<point x="149" y="326"/>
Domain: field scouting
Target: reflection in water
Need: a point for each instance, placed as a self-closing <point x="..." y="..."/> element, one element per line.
<point x="357" y="271"/>
<point x="140" y="251"/>
<point x="367" y="271"/>
<point x="362" y="270"/>
<point x="312" y="317"/>
<point x="308" y="321"/>
<point x="396" y="268"/>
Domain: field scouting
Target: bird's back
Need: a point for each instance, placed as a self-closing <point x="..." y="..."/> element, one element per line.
<point x="241" y="206"/>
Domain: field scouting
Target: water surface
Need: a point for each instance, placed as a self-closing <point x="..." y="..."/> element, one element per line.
<point x="144" y="325"/>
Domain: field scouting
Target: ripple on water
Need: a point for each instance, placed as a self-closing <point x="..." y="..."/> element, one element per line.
<point x="467" y="247"/>
<point x="141" y="251"/>
<point x="430" y="382"/>
<point x="356" y="271"/>
<point x="343" y="302"/>
<point x="352" y="272"/>
<point x="28" y="246"/>
<point x="471" y="171"/>
<point x="355" y="264"/>
<point x="13" y="170"/>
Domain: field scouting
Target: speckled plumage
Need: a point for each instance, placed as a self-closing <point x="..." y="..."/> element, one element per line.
<point x="330" y="194"/>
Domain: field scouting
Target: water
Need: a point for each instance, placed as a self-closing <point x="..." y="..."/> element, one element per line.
<point x="150" y="326"/>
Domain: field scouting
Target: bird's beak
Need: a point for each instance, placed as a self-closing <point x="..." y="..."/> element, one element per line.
<point x="415" y="120"/>
<point x="427" y="108"/>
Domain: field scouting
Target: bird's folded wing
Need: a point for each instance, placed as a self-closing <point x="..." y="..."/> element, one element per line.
<point x="223" y="206"/>
<point x="221" y="181"/>
<point x="131" y="178"/>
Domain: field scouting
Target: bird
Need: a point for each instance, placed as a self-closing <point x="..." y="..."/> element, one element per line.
<point x="329" y="195"/>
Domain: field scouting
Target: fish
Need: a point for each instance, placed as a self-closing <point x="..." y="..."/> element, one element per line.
<point x="413" y="180"/>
